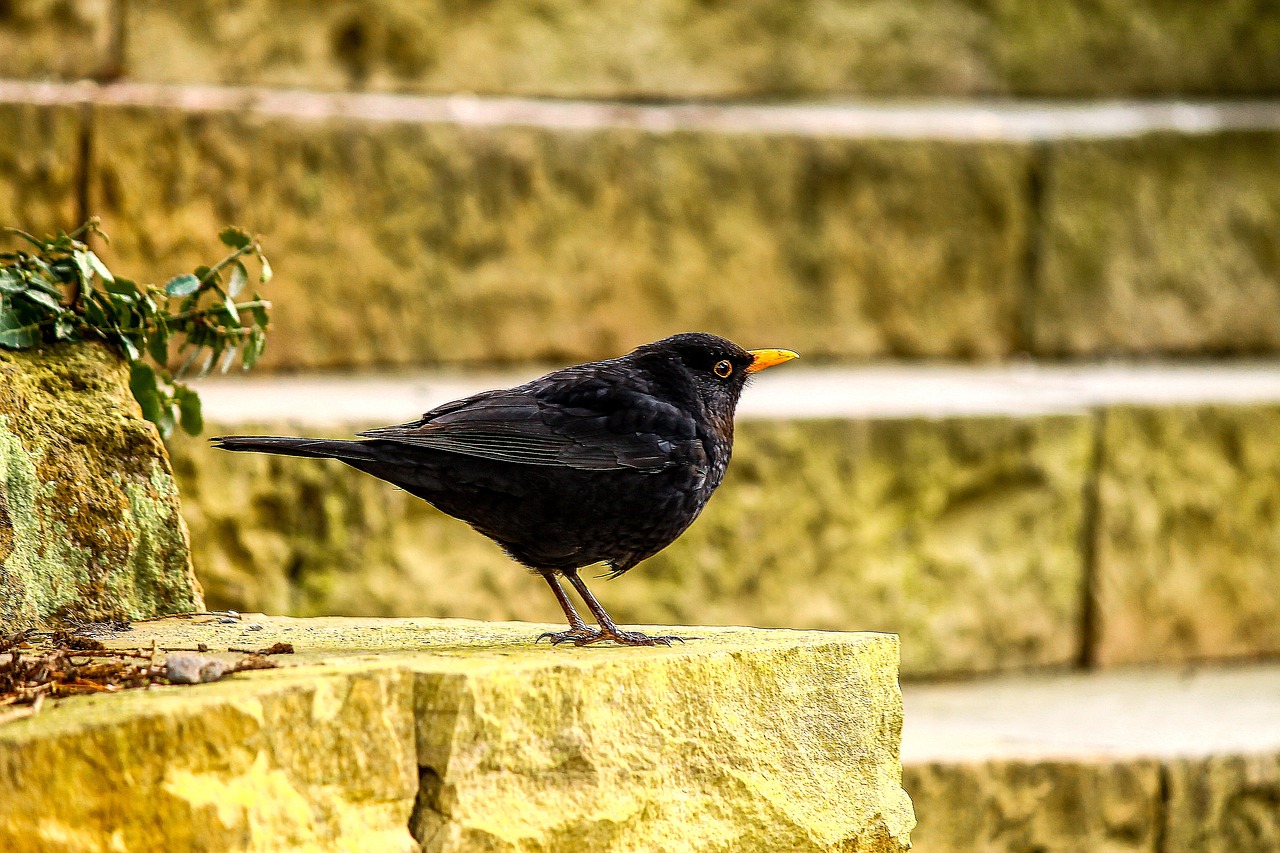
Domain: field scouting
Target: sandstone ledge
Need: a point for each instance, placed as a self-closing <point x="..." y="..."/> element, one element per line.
<point x="387" y="734"/>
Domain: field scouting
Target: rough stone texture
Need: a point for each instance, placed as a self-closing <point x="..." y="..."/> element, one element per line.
<point x="1224" y="804"/>
<point x="90" y="525"/>
<point x="316" y="759"/>
<point x="62" y="40"/>
<point x="1124" y="759"/>
<point x="39" y="168"/>
<point x="401" y="243"/>
<point x="741" y="740"/>
<point x="679" y="48"/>
<point x="1188" y="538"/>
<point x="1163" y="243"/>
<point x="1068" y="806"/>
<point x="961" y="534"/>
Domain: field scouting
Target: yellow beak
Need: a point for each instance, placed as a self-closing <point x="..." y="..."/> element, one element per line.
<point x="762" y="358"/>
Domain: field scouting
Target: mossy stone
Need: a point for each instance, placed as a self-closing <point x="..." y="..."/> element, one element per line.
<point x="90" y="526"/>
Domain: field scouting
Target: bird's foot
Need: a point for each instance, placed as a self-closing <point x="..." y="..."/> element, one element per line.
<point x="628" y="638"/>
<point x="579" y="636"/>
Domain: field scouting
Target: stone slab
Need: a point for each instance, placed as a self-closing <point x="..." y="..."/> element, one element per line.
<point x="961" y="534"/>
<point x="90" y="524"/>
<point x="427" y="243"/>
<point x="1188" y="537"/>
<point x="1123" y="760"/>
<point x="468" y="736"/>
<point x="1165" y="243"/>
<point x="684" y="49"/>
<point x="67" y="40"/>
<point x="39" y="168"/>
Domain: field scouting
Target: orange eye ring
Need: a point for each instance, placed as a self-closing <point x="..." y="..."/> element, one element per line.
<point x="723" y="368"/>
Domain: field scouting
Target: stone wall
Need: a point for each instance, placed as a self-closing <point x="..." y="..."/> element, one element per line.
<point x="570" y="48"/>
<point x="499" y="244"/>
<point x="1128" y="535"/>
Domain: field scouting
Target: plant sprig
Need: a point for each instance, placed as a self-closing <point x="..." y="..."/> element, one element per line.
<point x="64" y="292"/>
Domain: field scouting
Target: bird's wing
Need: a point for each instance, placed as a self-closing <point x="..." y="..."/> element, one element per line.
<point x="589" y="427"/>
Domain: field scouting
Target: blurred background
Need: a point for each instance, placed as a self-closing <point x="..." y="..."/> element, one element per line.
<point x="1030" y="253"/>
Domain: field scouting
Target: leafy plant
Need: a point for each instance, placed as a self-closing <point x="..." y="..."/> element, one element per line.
<point x="64" y="292"/>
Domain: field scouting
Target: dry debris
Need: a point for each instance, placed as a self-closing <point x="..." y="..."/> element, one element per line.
<point x="35" y="667"/>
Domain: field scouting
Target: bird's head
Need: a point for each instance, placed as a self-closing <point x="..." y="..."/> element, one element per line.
<point x="715" y="369"/>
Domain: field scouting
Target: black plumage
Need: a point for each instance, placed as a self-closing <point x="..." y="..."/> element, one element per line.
<point x="605" y="462"/>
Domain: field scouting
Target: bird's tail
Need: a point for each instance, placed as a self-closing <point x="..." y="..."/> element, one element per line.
<point x="313" y="448"/>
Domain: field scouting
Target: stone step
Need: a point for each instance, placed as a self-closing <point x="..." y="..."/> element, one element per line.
<point x="998" y="519"/>
<point x="680" y="48"/>
<point x="430" y="231"/>
<point x="447" y="736"/>
<point x="1131" y="761"/>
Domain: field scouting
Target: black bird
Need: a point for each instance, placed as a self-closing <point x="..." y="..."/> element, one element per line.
<point x="608" y="461"/>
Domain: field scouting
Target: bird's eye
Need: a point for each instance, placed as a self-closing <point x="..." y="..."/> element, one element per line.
<point x="723" y="368"/>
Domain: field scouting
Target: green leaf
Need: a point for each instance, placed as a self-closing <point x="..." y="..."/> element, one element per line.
<point x="260" y="316"/>
<point x="39" y="296"/>
<point x="234" y="237"/>
<point x="129" y="347"/>
<point x="65" y="328"/>
<point x="142" y="382"/>
<point x="158" y="344"/>
<point x="85" y="268"/>
<point x="239" y="276"/>
<point x="266" y="270"/>
<point x="100" y="268"/>
<point x="11" y="281"/>
<point x="229" y="358"/>
<point x="182" y="285"/>
<point x="230" y="305"/>
<point x="14" y="333"/>
<point x="190" y="409"/>
<point x="122" y="285"/>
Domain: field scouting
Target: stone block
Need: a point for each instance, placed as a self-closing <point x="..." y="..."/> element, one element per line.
<point x="40" y="166"/>
<point x="405" y="243"/>
<point x="1188" y="534"/>
<point x="90" y="526"/>
<point x="740" y="740"/>
<point x="686" y="49"/>
<point x="1073" y="806"/>
<point x="1160" y="244"/>
<point x="66" y="40"/>
<point x="960" y="534"/>
<point x="1224" y="803"/>
<point x="313" y="759"/>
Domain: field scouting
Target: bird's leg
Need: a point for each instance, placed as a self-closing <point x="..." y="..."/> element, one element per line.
<point x="608" y="630"/>
<point x="578" y="629"/>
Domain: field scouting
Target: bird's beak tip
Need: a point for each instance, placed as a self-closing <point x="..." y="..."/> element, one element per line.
<point x="762" y="358"/>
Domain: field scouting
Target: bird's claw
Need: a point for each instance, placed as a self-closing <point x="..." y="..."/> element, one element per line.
<point x="628" y="638"/>
<point x="577" y="636"/>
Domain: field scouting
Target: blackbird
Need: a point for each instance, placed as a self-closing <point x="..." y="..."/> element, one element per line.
<point x="605" y="462"/>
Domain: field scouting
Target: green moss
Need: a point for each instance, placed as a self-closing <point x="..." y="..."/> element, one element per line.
<point x="90" y="507"/>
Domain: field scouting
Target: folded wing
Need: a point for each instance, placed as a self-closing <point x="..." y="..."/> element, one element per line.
<point x="596" y="429"/>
